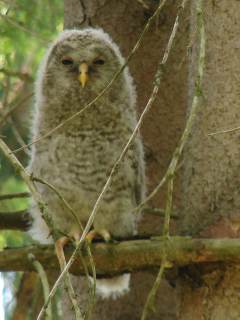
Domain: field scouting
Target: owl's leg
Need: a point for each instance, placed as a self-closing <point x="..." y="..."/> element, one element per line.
<point x="59" y="248"/>
<point x="93" y="234"/>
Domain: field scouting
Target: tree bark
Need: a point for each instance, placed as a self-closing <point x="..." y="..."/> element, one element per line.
<point x="25" y="295"/>
<point x="124" y="21"/>
<point x="129" y="256"/>
<point x="211" y="165"/>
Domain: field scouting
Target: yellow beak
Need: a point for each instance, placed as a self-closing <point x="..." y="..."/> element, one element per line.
<point x="83" y="74"/>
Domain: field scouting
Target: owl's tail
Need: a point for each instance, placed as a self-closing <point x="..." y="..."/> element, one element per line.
<point x="113" y="287"/>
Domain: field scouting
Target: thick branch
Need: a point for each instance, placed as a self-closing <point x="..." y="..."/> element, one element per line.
<point x="16" y="195"/>
<point x="129" y="255"/>
<point x="21" y="75"/>
<point x="19" y="220"/>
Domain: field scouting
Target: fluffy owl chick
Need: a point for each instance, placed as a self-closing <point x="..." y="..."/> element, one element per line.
<point x="77" y="158"/>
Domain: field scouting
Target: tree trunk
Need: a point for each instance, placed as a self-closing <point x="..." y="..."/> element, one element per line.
<point x="211" y="167"/>
<point x="124" y="20"/>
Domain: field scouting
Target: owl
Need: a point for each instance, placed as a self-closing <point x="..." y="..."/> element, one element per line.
<point x="77" y="158"/>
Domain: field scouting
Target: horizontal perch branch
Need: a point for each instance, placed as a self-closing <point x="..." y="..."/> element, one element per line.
<point x="132" y="255"/>
<point x="18" y="220"/>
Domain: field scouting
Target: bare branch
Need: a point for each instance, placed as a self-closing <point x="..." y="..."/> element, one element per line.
<point x="44" y="280"/>
<point x="15" y="195"/>
<point x="16" y="106"/>
<point x="68" y="279"/>
<point x="151" y="296"/>
<point x="23" y="28"/>
<point x="142" y="2"/>
<point x="195" y="103"/>
<point x="28" y="180"/>
<point x="129" y="256"/>
<point x="38" y="198"/>
<point x="149" y="305"/>
<point x="159" y="212"/>
<point x="18" y="220"/>
<point x="21" y="75"/>
<point x="65" y="203"/>
<point x="24" y="295"/>
<point x="17" y="135"/>
<point x="224" y="131"/>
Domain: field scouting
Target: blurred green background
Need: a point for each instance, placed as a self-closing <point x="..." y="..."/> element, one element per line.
<point x="26" y="28"/>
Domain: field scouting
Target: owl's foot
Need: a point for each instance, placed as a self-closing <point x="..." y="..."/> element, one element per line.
<point x="93" y="234"/>
<point x="59" y="248"/>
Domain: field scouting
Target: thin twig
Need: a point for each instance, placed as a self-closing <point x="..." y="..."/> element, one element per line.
<point x="10" y="121"/>
<point x="73" y="213"/>
<point x="18" y="135"/>
<point x="66" y="204"/>
<point x="21" y="75"/>
<point x="150" y="303"/>
<point x="145" y="6"/>
<point x="224" y="131"/>
<point x="16" y="106"/>
<point x="13" y="126"/>
<point x="182" y="142"/>
<point x="37" y="197"/>
<point x="69" y="287"/>
<point x="169" y="175"/>
<point x="92" y="284"/>
<point x="45" y="286"/>
<point x="160" y="212"/>
<point x="108" y="86"/>
<point x="23" y="28"/>
<point x="71" y="293"/>
<point x="27" y="178"/>
<point x="168" y="210"/>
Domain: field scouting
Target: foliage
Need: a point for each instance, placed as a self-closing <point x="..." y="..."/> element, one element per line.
<point x="26" y="27"/>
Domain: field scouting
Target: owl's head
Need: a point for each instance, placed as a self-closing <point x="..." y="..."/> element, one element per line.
<point x="85" y="60"/>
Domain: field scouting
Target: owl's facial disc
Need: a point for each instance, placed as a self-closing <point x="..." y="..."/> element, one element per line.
<point x="83" y="74"/>
<point x="84" y="66"/>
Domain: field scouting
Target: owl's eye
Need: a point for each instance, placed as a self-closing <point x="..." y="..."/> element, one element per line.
<point x="67" y="61"/>
<point x="99" y="61"/>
